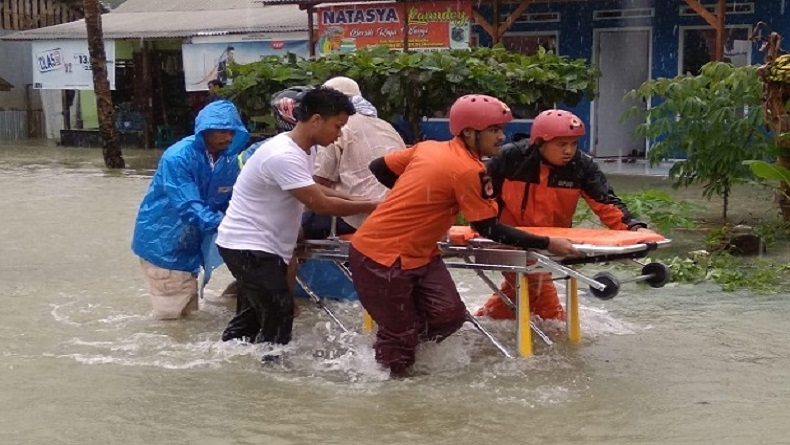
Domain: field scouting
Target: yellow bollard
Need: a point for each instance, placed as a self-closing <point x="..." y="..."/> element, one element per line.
<point x="523" y="317"/>
<point x="574" y="322"/>
<point x="367" y="322"/>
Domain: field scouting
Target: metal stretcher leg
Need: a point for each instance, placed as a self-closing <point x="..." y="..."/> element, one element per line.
<point x="367" y="322"/>
<point x="487" y="334"/>
<point x="319" y="301"/>
<point x="523" y="328"/>
<point x="573" y="322"/>
<point x="545" y="338"/>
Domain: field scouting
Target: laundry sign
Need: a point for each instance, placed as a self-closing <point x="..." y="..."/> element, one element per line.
<point x="65" y="64"/>
<point x="430" y="25"/>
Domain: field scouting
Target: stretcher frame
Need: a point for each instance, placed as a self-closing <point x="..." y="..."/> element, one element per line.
<point x="482" y="255"/>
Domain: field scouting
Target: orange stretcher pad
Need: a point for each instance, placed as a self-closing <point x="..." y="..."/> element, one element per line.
<point x="461" y="235"/>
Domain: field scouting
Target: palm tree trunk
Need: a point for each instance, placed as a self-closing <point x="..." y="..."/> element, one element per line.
<point x="113" y="157"/>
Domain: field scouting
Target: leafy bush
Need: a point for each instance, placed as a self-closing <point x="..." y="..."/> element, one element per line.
<point x="421" y="83"/>
<point x="711" y="123"/>
<point x="662" y="212"/>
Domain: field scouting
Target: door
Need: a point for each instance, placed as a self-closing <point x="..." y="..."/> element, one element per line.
<point x="623" y="56"/>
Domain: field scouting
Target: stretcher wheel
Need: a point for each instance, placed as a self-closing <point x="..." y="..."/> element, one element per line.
<point x="612" y="286"/>
<point x="660" y="272"/>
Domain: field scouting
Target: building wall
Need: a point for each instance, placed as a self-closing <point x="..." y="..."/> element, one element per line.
<point x="576" y="30"/>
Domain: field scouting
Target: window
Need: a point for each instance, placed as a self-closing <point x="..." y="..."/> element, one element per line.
<point x="540" y="17"/>
<point x="698" y="48"/>
<point x="528" y="43"/>
<point x="729" y="8"/>
<point x="613" y="14"/>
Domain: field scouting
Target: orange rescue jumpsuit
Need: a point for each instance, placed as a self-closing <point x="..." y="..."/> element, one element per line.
<point x="532" y="193"/>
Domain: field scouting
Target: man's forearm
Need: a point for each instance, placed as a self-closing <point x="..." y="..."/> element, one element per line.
<point x="332" y="193"/>
<point x="344" y="207"/>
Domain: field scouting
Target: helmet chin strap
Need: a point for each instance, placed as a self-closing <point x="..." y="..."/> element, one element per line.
<point x="476" y="149"/>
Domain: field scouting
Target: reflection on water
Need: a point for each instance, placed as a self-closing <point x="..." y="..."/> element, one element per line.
<point x="83" y="363"/>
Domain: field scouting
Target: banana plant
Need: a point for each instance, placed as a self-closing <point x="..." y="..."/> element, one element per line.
<point x="770" y="172"/>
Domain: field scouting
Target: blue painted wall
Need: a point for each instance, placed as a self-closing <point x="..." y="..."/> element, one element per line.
<point x="576" y="30"/>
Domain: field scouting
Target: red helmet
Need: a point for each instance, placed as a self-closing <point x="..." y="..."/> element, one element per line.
<point x="552" y="124"/>
<point x="285" y="105"/>
<point x="478" y="112"/>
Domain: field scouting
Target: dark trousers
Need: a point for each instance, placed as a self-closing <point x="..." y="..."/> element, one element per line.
<point x="409" y="306"/>
<point x="317" y="226"/>
<point x="265" y="307"/>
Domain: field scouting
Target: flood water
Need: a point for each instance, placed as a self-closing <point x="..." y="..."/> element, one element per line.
<point x="82" y="362"/>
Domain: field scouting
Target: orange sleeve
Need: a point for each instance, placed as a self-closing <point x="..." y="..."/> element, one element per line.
<point x="398" y="160"/>
<point x="609" y="213"/>
<point x="475" y="196"/>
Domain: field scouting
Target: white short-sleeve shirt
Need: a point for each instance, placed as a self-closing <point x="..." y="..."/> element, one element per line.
<point x="263" y="215"/>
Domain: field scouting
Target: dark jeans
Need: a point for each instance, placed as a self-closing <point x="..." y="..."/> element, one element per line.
<point x="409" y="306"/>
<point x="317" y="226"/>
<point x="265" y="307"/>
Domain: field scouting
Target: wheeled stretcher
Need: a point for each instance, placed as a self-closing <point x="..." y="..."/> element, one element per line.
<point x="462" y="248"/>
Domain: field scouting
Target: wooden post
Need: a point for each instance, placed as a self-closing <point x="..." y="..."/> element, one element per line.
<point x="27" y="21"/>
<point x="148" y="116"/>
<point x="720" y="13"/>
<point x="495" y="24"/>
<point x="483" y="23"/>
<point x="14" y="14"/>
<point x="311" y="37"/>
<point x="406" y="26"/>
<point x="513" y="16"/>
<point x="6" y="14"/>
<point x="714" y="20"/>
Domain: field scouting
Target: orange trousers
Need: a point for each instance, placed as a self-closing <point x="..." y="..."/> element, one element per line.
<point x="543" y="299"/>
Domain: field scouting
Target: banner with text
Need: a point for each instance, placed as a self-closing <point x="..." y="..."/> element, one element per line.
<point x="65" y="64"/>
<point x="209" y="61"/>
<point x="431" y="26"/>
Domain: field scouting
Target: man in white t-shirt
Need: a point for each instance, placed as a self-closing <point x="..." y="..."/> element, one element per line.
<point x="259" y="232"/>
<point x="344" y="164"/>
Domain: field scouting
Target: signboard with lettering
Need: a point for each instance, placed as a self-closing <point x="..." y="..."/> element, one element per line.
<point x="204" y="62"/>
<point x="66" y="65"/>
<point x="431" y="26"/>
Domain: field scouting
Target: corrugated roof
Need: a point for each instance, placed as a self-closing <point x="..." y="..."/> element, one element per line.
<point x="157" y="19"/>
<point x="185" y="5"/>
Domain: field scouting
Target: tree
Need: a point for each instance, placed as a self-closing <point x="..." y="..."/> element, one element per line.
<point x="113" y="158"/>
<point x="710" y="123"/>
<point x="775" y="100"/>
<point x="422" y="83"/>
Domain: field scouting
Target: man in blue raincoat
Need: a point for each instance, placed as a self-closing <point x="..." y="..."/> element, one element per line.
<point x="185" y="203"/>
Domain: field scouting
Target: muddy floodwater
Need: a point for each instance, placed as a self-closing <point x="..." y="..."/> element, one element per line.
<point x="82" y="362"/>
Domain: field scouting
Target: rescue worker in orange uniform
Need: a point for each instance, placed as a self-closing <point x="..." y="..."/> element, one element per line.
<point x="396" y="266"/>
<point x="538" y="183"/>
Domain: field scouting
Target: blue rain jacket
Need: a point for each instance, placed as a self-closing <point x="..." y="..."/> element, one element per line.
<point x="187" y="198"/>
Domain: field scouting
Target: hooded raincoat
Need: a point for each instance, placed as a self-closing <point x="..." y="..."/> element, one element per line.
<point x="189" y="194"/>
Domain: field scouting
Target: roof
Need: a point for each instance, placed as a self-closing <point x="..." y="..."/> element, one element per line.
<point x="160" y="19"/>
<point x="325" y="2"/>
<point x="5" y="85"/>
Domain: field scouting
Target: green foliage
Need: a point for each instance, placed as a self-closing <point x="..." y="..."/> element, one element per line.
<point x="658" y="209"/>
<point x="420" y="83"/>
<point x="712" y="121"/>
<point x="772" y="231"/>
<point x="460" y="220"/>
<point x="731" y="273"/>
<point x="768" y="171"/>
<point x="661" y="211"/>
